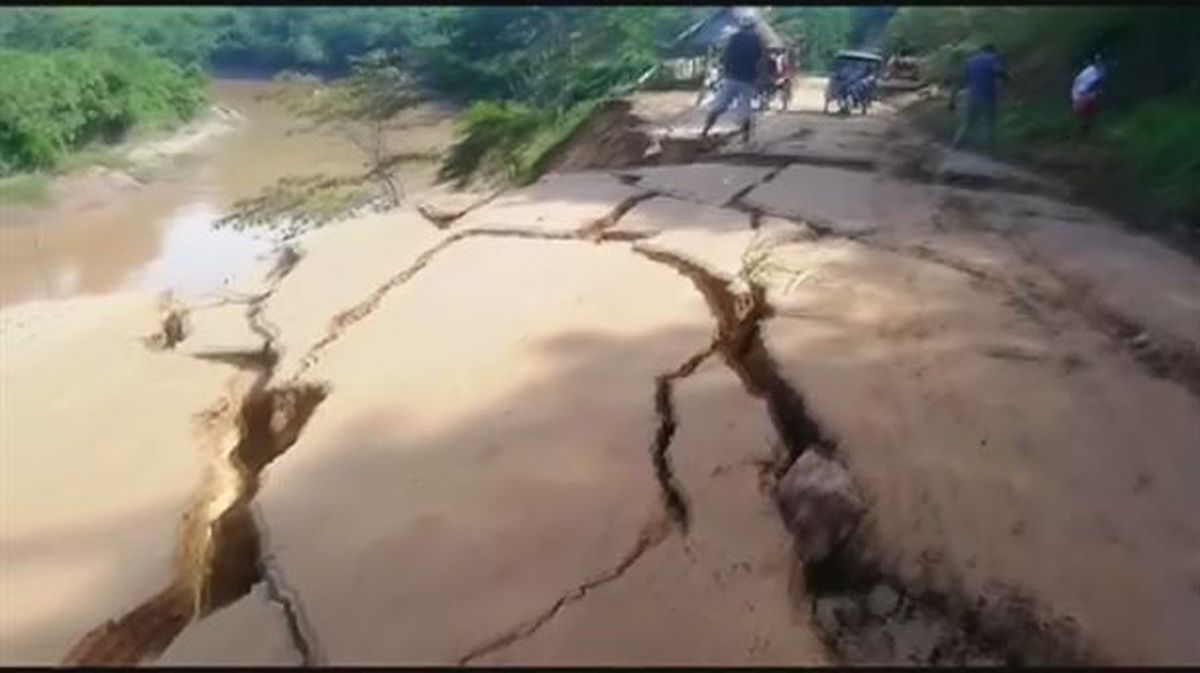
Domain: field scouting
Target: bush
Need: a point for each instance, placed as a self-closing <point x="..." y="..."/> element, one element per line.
<point x="1161" y="143"/>
<point x="493" y="136"/>
<point x="56" y="102"/>
<point x="1149" y="131"/>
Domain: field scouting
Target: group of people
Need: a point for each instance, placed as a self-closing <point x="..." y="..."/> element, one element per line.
<point x="745" y="62"/>
<point x="984" y="71"/>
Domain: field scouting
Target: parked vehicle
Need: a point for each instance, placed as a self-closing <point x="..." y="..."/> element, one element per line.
<point x="852" y="83"/>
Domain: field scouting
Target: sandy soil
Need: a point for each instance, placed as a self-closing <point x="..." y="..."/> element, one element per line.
<point x="550" y="430"/>
<point x="100" y="460"/>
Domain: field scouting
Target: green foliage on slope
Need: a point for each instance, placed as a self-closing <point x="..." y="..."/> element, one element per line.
<point x="1148" y="136"/>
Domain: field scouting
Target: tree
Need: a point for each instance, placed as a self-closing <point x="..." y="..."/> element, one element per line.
<point x="361" y="108"/>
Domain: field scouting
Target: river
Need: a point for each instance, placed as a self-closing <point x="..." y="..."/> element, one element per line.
<point x="102" y="235"/>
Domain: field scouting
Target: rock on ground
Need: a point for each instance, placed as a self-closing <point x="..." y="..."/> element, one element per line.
<point x="820" y="505"/>
<point x="989" y="443"/>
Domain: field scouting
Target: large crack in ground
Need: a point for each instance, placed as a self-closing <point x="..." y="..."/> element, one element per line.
<point x="925" y="626"/>
<point x="1006" y="629"/>
<point x="674" y="497"/>
<point x="218" y="551"/>
<point x="596" y="231"/>
<point x="1007" y="626"/>
<point x="222" y="555"/>
<point x="300" y="631"/>
<point x="651" y="536"/>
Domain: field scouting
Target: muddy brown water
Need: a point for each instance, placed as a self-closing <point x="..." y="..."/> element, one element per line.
<point x="102" y="234"/>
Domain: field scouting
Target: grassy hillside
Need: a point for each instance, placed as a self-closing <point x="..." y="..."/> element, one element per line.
<point x="1145" y="156"/>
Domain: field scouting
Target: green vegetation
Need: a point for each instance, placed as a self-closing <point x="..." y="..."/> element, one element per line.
<point x="260" y="39"/>
<point x="553" y="61"/>
<point x="511" y="141"/>
<point x="535" y="74"/>
<point x="1143" y="157"/>
<point x="73" y="77"/>
<point x="55" y="102"/>
<point x="361" y="108"/>
<point x="819" y="32"/>
<point x="528" y="74"/>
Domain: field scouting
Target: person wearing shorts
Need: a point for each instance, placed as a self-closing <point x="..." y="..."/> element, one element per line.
<point x="742" y="62"/>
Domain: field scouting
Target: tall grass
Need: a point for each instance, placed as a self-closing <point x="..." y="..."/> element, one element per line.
<point x="1160" y="141"/>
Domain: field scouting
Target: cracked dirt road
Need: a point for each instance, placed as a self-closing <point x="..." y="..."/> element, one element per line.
<point x="550" y="430"/>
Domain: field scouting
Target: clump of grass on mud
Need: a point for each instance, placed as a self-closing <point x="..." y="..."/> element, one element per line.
<point x="295" y="204"/>
<point x="29" y="189"/>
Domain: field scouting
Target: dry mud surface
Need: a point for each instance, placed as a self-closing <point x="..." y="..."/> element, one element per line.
<point x="860" y="401"/>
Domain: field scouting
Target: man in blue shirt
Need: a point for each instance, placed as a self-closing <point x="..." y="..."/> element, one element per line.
<point x="743" y="62"/>
<point x="980" y="76"/>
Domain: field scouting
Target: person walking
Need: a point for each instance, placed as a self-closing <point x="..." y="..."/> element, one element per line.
<point x="980" y="77"/>
<point x="1085" y="93"/>
<point x="742" y="61"/>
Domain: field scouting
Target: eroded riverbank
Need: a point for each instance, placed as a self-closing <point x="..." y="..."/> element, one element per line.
<point x="147" y="225"/>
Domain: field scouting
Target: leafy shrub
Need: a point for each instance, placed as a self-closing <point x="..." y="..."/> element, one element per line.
<point x="493" y="136"/>
<point x="52" y="103"/>
<point x="1161" y="143"/>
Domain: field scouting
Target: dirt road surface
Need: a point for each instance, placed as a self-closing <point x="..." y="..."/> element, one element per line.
<point x="572" y="425"/>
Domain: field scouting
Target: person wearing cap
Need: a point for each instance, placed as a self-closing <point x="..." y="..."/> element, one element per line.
<point x="742" y="62"/>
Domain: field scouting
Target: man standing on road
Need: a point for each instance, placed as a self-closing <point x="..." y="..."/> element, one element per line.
<point x="742" y="61"/>
<point x="1085" y="93"/>
<point x="982" y="72"/>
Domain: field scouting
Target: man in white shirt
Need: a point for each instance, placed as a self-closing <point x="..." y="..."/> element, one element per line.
<point x="1085" y="92"/>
